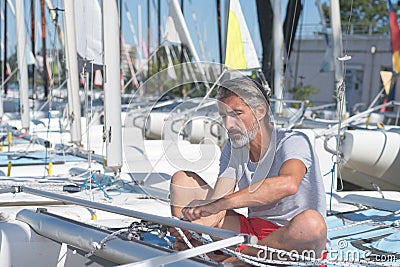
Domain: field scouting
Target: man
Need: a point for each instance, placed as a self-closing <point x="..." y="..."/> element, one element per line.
<point x="275" y="170"/>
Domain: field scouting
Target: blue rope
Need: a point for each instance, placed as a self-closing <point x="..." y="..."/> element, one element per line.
<point x="108" y="182"/>
<point x="333" y="177"/>
<point x="99" y="185"/>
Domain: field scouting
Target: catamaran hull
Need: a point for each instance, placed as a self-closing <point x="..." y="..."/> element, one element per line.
<point x="372" y="156"/>
<point x="42" y="239"/>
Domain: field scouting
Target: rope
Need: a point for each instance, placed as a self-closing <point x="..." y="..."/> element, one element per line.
<point x="186" y="240"/>
<point x="373" y="221"/>
<point x="133" y="232"/>
<point x="295" y="258"/>
<point x="97" y="246"/>
<point x="332" y="182"/>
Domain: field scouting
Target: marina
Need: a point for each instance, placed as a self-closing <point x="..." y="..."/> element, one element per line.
<point x="88" y="155"/>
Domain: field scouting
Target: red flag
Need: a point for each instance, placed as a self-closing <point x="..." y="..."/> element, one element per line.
<point x="395" y="41"/>
<point x="395" y="36"/>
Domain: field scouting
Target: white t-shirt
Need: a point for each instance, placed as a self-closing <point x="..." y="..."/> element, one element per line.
<point x="285" y="144"/>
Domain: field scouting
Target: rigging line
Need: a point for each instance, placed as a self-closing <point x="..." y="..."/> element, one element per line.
<point x="298" y="49"/>
<point x="292" y="29"/>
<point x="341" y="93"/>
<point x="348" y="28"/>
<point x="48" y="149"/>
<point x="291" y="33"/>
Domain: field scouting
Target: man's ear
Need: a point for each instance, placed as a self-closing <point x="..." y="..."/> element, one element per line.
<point x="261" y="111"/>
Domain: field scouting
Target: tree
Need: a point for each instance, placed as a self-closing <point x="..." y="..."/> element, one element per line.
<point x="301" y="92"/>
<point x="369" y="16"/>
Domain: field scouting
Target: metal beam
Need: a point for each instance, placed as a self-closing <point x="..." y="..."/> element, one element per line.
<point x="221" y="233"/>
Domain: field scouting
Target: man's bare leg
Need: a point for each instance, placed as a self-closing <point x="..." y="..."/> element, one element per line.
<point x="188" y="186"/>
<point x="185" y="187"/>
<point x="306" y="231"/>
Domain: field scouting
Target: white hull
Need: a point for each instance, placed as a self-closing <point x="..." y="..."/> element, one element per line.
<point x="372" y="156"/>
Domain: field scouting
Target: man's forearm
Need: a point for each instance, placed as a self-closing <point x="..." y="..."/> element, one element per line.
<point x="264" y="192"/>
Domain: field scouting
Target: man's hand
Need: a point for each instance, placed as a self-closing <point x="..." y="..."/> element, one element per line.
<point x="179" y="244"/>
<point x="200" y="208"/>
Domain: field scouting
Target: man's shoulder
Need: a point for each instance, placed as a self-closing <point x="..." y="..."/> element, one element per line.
<point x="288" y="135"/>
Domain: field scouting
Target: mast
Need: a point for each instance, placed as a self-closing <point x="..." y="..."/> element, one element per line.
<point x="58" y="24"/>
<point x="33" y="47"/>
<point x="74" y="105"/>
<point x="22" y="65"/>
<point x="159" y="35"/>
<point x="2" y="79"/>
<point x="112" y="85"/>
<point x="45" y="73"/>
<point x="219" y="32"/>
<point x="139" y="21"/>
<point x="132" y="28"/>
<point x="337" y="53"/>
<point x="5" y="49"/>
<point x="278" y="54"/>
<point x="182" y="56"/>
<point x="148" y="38"/>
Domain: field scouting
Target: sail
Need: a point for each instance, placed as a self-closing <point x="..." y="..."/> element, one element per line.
<point x="89" y="33"/>
<point x="112" y="86"/>
<point x="181" y="32"/>
<point x="181" y="28"/>
<point x="240" y="52"/>
<point x="170" y="34"/>
<point x="22" y="63"/>
<point x="74" y="105"/>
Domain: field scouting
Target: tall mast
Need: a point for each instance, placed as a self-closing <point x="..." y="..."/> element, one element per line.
<point x="182" y="56"/>
<point x="57" y="23"/>
<point x="159" y="35"/>
<point x="1" y="93"/>
<point x="148" y="38"/>
<point x="337" y="51"/>
<point x="22" y="66"/>
<point x="33" y="46"/>
<point x="139" y="21"/>
<point x="44" y="51"/>
<point x="219" y="32"/>
<point x="74" y="105"/>
<point x="112" y="85"/>
<point x="5" y="48"/>
<point x="278" y="54"/>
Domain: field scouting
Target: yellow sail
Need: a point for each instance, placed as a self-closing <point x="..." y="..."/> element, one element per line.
<point x="240" y="52"/>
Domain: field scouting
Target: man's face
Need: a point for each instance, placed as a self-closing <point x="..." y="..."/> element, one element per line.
<point x="239" y="120"/>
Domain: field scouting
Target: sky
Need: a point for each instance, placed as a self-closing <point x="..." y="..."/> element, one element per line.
<point x="206" y="22"/>
<point x="203" y="31"/>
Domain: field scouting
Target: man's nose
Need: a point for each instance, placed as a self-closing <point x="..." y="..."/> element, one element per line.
<point x="229" y="122"/>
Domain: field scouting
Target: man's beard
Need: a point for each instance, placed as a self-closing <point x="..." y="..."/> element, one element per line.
<point x="243" y="139"/>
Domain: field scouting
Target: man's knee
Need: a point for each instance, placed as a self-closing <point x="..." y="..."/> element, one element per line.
<point x="179" y="177"/>
<point x="312" y="219"/>
<point x="187" y="179"/>
<point x="310" y="222"/>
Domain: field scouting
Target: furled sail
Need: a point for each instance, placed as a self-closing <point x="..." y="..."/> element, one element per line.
<point x="240" y="51"/>
<point x="88" y="34"/>
<point x="180" y="27"/>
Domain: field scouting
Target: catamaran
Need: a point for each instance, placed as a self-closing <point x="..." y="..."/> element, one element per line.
<point x="68" y="204"/>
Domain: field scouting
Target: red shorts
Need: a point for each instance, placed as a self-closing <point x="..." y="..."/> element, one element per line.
<point x="256" y="226"/>
<point x="259" y="228"/>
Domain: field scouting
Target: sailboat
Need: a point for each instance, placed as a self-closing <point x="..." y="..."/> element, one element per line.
<point x="370" y="154"/>
<point x="61" y="239"/>
<point x="120" y="217"/>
